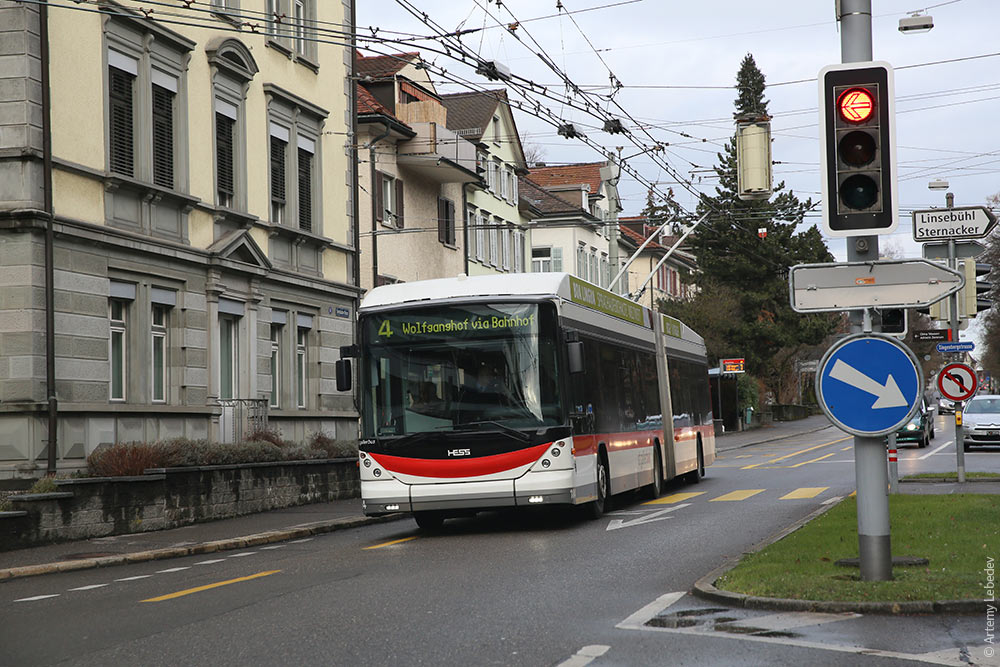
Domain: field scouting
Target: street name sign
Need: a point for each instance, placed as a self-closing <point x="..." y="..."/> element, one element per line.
<point x="969" y="222"/>
<point x="732" y="365"/>
<point x="932" y="335"/>
<point x="963" y="250"/>
<point x="957" y="346"/>
<point x="868" y="384"/>
<point x="957" y="382"/>
<point x="894" y="283"/>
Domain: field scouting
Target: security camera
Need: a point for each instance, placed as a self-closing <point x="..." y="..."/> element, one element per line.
<point x="916" y="24"/>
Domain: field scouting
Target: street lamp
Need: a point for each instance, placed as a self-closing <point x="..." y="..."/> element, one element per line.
<point x="941" y="184"/>
<point x="916" y="22"/>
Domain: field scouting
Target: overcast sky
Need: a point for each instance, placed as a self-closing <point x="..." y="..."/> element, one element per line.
<point x="946" y="113"/>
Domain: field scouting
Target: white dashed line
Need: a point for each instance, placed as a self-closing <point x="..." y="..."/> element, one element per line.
<point x="210" y="562"/>
<point x="585" y="656"/>
<point x="305" y="539"/>
<point x="88" y="588"/>
<point x="935" y="451"/>
<point x="37" y="597"/>
<point x="141" y="576"/>
<point x="245" y="553"/>
<point x="276" y="546"/>
<point x="173" y="569"/>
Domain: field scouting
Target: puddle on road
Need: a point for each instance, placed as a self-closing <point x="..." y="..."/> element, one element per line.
<point x="711" y="620"/>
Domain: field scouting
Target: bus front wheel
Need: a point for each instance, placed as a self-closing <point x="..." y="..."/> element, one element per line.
<point x="595" y="509"/>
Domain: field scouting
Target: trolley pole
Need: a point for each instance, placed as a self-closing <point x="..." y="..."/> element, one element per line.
<point x="870" y="468"/>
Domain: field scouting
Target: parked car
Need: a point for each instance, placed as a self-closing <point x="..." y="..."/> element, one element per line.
<point x="920" y="429"/>
<point x="946" y="406"/>
<point x="981" y="421"/>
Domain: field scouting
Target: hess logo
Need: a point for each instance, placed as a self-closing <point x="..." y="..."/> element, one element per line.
<point x="459" y="452"/>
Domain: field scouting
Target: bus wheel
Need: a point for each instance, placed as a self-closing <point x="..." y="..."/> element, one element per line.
<point x="429" y="520"/>
<point x="655" y="490"/>
<point x="695" y="475"/>
<point x="595" y="509"/>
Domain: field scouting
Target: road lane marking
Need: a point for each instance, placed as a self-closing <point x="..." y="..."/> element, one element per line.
<point x="305" y="539"/>
<point x="141" y="576"/>
<point x="742" y="494"/>
<point x="389" y="544"/>
<point x="674" y="498"/>
<point x="585" y="656"/>
<point x="801" y="451"/>
<point x="189" y="591"/>
<point x="88" y="588"/>
<point x="792" y="620"/>
<point x="37" y="597"/>
<point x="173" y="569"/>
<point x="935" y="451"/>
<point x="848" y="448"/>
<point x="813" y="460"/>
<point x="241" y="555"/>
<point x="615" y="524"/>
<point x="638" y="620"/>
<point x="210" y="562"/>
<point x="804" y="492"/>
<point x="275" y="546"/>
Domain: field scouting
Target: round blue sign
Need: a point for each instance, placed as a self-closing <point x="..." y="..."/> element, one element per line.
<point x="868" y="384"/>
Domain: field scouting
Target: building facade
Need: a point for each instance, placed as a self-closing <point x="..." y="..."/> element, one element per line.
<point x="656" y="280"/>
<point x="186" y="188"/>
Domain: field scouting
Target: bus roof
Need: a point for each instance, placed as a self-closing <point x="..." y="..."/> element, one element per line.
<point x="555" y="285"/>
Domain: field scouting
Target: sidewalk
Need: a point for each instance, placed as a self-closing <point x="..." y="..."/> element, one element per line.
<point x="773" y="431"/>
<point x="265" y="527"/>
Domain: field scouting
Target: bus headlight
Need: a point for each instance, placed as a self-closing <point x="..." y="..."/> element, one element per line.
<point x="546" y="463"/>
<point x="555" y="452"/>
<point x="377" y="472"/>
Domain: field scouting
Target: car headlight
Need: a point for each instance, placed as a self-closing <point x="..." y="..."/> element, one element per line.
<point x="912" y="426"/>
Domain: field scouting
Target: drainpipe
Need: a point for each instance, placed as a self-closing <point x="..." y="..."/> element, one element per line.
<point x="371" y="162"/>
<point x="50" y="293"/>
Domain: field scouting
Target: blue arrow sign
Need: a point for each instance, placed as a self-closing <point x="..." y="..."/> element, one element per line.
<point x="962" y="346"/>
<point x="868" y="384"/>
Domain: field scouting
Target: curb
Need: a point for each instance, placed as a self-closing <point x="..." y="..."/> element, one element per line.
<point x="949" y="480"/>
<point x="257" y="539"/>
<point x="705" y="588"/>
<point x="781" y="437"/>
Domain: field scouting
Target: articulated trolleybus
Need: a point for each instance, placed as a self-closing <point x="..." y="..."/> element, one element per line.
<point x="522" y="390"/>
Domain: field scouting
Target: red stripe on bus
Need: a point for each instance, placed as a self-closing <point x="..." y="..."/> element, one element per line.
<point x="472" y="467"/>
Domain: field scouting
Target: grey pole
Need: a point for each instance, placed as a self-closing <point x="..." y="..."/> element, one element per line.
<point x="893" y="465"/>
<point x="870" y="465"/>
<point x="955" y="322"/>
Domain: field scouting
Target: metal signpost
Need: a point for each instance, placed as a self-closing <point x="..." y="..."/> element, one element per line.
<point x="958" y="382"/>
<point x="963" y="250"/>
<point x="869" y="385"/>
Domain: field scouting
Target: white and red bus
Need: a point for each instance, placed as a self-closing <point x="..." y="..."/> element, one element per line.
<point x="522" y="390"/>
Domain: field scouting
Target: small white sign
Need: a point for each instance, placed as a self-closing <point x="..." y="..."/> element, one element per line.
<point x="970" y="222"/>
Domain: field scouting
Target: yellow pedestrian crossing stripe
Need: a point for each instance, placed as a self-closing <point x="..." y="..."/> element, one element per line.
<point x="742" y="494"/>
<point x="674" y="498"/>
<point x="805" y="492"/>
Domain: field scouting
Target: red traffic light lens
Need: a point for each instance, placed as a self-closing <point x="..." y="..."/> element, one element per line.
<point x="856" y="105"/>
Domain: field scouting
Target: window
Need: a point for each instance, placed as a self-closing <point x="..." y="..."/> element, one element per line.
<point x="495" y="243"/>
<point x="225" y="129"/>
<point x="446" y="221"/>
<point x="604" y="271"/>
<point x="504" y="183"/>
<point x="389" y="196"/>
<point x="496" y="129"/>
<point x="276" y="331"/>
<point x="306" y="149"/>
<point x="117" y="315"/>
<point x="300" y="367"/>
<point x="163" y="134"/>
<point x="159" y="353"/>
<point x="541" y="260"/>
<point x="506" y="233"/>
<point x="519" y="251"/>
<point x="228" y="346"/>
<point x="121" y="158"/>
<point x="482" y="252"/>
<point x="471" y="233"/>
<point x="279" y="152"/>
<point x="581" y="261"/>
<point x="497" y="176"/>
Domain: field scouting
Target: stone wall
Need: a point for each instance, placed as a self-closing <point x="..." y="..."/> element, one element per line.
<point x="171" y="497"/>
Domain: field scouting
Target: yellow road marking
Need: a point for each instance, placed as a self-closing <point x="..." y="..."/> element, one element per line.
<point x="848" y="448"/>
<point x="189" y="591"/>
<point x="674" y="498"/>
<point x="804" y="492"/>
<point x="812" y="460"/>
<point x="738" y="495"/>
<point x="801" y="451"/>
<point x="389" y="544"/>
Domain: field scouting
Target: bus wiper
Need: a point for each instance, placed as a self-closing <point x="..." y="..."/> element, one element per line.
<point x="523" y="437"/>
<point x="408" y="439"/>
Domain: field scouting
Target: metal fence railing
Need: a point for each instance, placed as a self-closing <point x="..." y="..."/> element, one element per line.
<point x="241" y="416"/>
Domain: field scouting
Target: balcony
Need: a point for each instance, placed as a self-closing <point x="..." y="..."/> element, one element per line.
<point x="438" y="154"/>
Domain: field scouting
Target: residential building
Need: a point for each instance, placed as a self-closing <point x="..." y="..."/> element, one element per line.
<point x="497" y="238"/>
<point x="200" y="243"/>
<point x="413" y="175"/>
<point x="672" y="278"/>
<point x="583" y="228"/>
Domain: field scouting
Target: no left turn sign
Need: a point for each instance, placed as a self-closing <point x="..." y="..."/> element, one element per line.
<point x="957" y="382"/>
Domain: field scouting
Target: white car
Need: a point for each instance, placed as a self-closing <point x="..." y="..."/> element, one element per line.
<point x="981" y="421"/>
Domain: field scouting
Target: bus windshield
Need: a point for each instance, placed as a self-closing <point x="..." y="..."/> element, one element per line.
<point x="473" y="366"/>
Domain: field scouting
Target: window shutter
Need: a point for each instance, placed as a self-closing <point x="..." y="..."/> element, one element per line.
<point x="557" y="260"/>
<point x="442" y="220"/>
<point x="278" y="170"/>
<point x="305" y="190"/>
<point x="224" y="127"/>
<point x="121" y="144"/>
<point x="450" y="217"/>
<point x="399" y="203"/>
<point x="379" y="201"/>
<point x="163" y="137"/>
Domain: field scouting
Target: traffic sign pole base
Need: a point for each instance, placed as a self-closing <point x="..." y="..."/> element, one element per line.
<point x="876" y="557"/>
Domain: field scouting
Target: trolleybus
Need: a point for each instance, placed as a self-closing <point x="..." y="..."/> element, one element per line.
<point x="522" y="390"/>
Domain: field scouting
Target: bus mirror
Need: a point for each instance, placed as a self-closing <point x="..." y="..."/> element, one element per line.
<point x="575" y="354"/>
<point x="343" y="367"/>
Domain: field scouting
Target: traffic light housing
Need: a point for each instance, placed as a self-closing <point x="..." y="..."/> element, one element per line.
<point x="890" y="321"/>
<point x="975" y="296"/>
<point x="858" y="149"/>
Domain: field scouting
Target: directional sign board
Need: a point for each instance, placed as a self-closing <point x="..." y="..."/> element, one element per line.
<point x="868" y="384"/>
<point x="733" y="365"/>
<point x="957" y="382"/>
<point x="963" y="250"/>
<point x="907" y="283"/>
<point x="957" y="346"/>
<point x="932" y="335"/>
<point x="970" y="222"/>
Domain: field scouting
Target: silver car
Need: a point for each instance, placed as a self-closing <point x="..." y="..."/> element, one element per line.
<point x="981" y="421"/>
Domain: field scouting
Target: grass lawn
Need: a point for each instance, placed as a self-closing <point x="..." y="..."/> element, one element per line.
<point x="955" y="532"/>
<point x="954" y="475"/>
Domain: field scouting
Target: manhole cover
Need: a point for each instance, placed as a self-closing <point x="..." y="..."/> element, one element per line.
<point x="89" y="554"/>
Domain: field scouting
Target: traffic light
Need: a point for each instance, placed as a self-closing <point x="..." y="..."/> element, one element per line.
<point x="890" y="321"/>
<point x="975" y="297"/>
<point x="857" y="149"/>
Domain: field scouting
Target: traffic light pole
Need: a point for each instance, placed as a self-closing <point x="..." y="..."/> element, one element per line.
<point x="870" y="467"/>
<point x="954" y="322"/>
